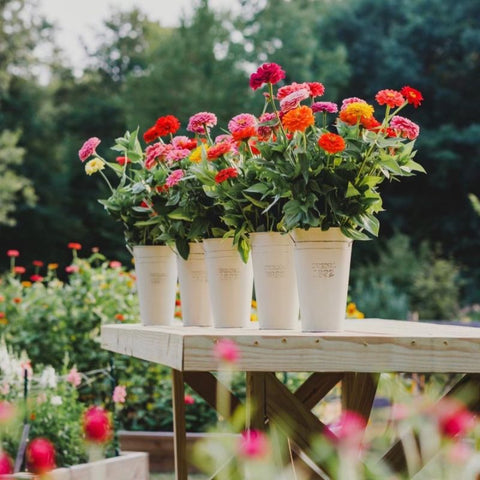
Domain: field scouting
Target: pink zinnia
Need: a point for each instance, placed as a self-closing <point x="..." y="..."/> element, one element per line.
<point x="174" y="178"/>
<point x="184" y="142"/>
<point x="226" y="350"/>
<point x="348" y="431"/>
<point x="224" y="138"/>
<point x="157" y="151"/>
<point x="115" y="264"/>
<point x="177" y="154"/>
<point x="292" y="87"/>
<point x="74" y="377"/>
<point x="266" y="73"/>
<point x="19" y="269"/>
<point x="36" y="278"/>
<point x="392" y="98"/>
<point x="72" y="268"/>
<point x="327" y="107"/>
<point x="264" y="131"/>
<point x="453" y="417"/>
<point x="349" y="100"/>
<point x="13" y="253"/>
<point x="405" y="127"/>
<point x="189" y="400"/>
<point x="242" y="121"/>
<point x="253" y="444"/>
<point x="7" y="412"/>
<point x="119" y="394"/>
<point x="198" y="122"/>
<point x="97" y="425"/>
<point x="293" y="100"/>
<point x="88" y="148"/>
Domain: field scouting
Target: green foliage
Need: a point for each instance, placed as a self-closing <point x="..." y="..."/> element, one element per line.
<point x="13" y="187"/>
<point x="402" y="280"/>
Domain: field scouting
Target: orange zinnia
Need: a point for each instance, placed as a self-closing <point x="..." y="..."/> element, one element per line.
<point x="331" y="143"/>
<point x="356" y="112"/>
<point x="298" y="119"/>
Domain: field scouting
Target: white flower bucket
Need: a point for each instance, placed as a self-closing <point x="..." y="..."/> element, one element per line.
<point x="322" y="262"/>
<point x="156" y="272"/>
<point x="230" y="283"/>
<point x="194" y="296"/>
<point x="275" y="281"/>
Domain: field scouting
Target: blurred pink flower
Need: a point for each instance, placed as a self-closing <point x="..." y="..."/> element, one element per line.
<point x="174" y="178"/>
<point x="115" y="264"/>
<point x="119" y="394"/>
<point x="88" y="148"/>
<point x="74" y="377"/>
<point x="253" y="444"/>
<point x="454" y="419"/>
<point x="189" y="400"/>
<point x="348" y="431"/>
<point x="7" y="412"/>
<point x="226" y="350"/>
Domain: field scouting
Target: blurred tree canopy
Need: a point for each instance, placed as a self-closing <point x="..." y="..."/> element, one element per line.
<point x="140" y="70"/>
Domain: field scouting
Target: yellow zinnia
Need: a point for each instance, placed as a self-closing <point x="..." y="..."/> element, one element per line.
<point x="356" y="112"/>
<point x="94" y="166"/>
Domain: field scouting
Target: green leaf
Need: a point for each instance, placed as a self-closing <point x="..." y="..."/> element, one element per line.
<point x="351" y="191"/>
<point x="179" y="214"/>
<point x="258" y="188"/>
<point x="256" y="202"/>
<point x="182" y="247"/>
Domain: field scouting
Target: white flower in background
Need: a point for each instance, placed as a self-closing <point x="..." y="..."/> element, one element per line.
<point x="48" y="378"/>
<point x="56" y="400"/>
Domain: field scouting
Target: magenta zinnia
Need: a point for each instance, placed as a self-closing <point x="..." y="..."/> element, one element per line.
<point x="198" y="122"/>
<point x="266" y="73"/>
<point x="242" y="121"/>
<point x="326" y="107"/>
<point x="88" y="148"/>
<point x="174" y="178"/>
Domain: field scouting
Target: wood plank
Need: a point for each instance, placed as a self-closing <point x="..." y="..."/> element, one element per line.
<point x="256" y="411"/>
<point x="365" y="346"/>
<point x="146" y="343"/>
<point x="180" y="440"/>
<point x="207" y="386"/>
<point x="316" y="387"/>
<point x="285" y="410"/>
<point x="358" y="392"/>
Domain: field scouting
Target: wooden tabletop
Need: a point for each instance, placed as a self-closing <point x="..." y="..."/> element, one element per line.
<point x="368" y="345"/>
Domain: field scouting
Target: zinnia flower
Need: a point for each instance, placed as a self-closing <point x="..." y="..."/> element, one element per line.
<point x="244" y="134"/>
<point x="13" y="253"/>
<point x="266" y="73"/>
<point x="348" y="101"/>
<point x="123" y="160"/>
<point x="184" y="142"/>
<point x="177" y="154"/>
<point x="74" y="246"/>
<point x="412" y="96"/>
<point x="167" y="125"/>
<point x="189" y="400"/>
<point x="242" y="121"/>
<point x="331" y="143"/>
<point x="327" y="107"/>
<point x="225" y="174"/>
<point x="219" y="149"/>
<point x="19" y="269"/>
<point x="97" y="425"/>
<point x="37" y="263"/>
<point x="196" y="155"/>
<point x="293" y="100"/>
<point x="174" y="178"/>
<point x="36" y="278"/>
<point x="348" y="431"/>
<point x="156" y="152"/>
<point x="40" y="456"/>
<point x="287" y="90"/>
<point x="88" y="148"/>
<point x="298" y="119"/>
<point x="356" y="112"/>
<point x="405" y="127"/>
<point x="94" y="166"/>
<point x="317" y="89"/>
<point x="392" y="98"/>
<point x="198" y="122"/>
<point x="150" y="135"/>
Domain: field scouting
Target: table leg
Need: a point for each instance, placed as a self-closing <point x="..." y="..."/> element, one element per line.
<point x="180" y="435"/>
<point x="358" y="392"/>
<point x="256" y="407"/>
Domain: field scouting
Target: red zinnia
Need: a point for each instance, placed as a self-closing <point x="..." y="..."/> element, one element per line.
<point x="167" y="125"/>
<point x="37" y="263"/>
<point x="244" y="133"/>
<point x="74" y="246"/>
<point x="97" y="425"/>
<point x="412" y="96"/>
<point x="150" y="135"/>
<point x="266" y="73"/>
<point x="218" y="150"/>
<point x="225" y="174"/>
<point x="36" y="278"/>
<point x="331" y="143"/>
<point x="6" y="464"/>
<point x="40" y="456"/>
<point x="317" y="89"/>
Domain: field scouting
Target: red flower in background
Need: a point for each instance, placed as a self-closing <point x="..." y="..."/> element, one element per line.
<point x="40" y="455"/>
<point x="123" y="160"/>
<point x="189" y="400"/>
<point x="74" y="246"/>
<point x="18" y="269"/>
<point x="13" y="253"/>
<point x="150" y="135"/>
<point x="37" y="263"/>
<point x="266" y="73"/>
<point x="97" y="425"/>
<point x="36" y="278"/>
<point x="6" y="464"/>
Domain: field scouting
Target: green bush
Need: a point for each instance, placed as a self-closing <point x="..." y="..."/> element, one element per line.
<point x="58" y="322"/>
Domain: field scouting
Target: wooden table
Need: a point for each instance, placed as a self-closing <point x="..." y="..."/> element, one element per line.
<point x="355" y="357"/>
